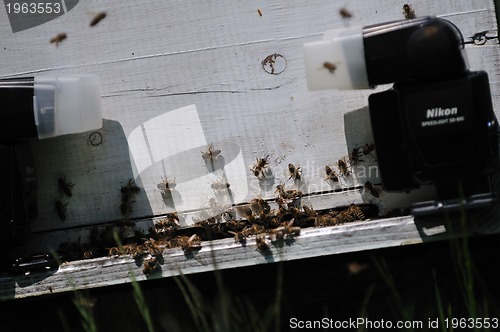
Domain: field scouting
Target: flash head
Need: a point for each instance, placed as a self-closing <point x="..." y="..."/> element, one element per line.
<point x="48" y="106"/>
<point x="360" y="58"/>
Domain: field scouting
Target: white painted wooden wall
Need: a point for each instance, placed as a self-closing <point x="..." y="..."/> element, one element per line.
<point x="178" y="75"/>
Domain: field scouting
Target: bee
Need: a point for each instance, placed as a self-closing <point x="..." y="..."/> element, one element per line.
<point x="290" y="230"/>
<point x="253" y="230"/>
<point x="127" y="192"/>
<point x="368" y="148"/>
<point x="354" y="156"/>
<point x="60" y="209"/>
<point x="331" y="175"/>
<point x="369" y="186"/>
<point x="220" y="184"/>
<point x="354" y="211"/>
<point x="239" y="237"/>
<point x="260" y="206"/>
<point x="190" y="243"/>
<point x="325" y="220"/>
<point x="97" y="18"/>
<point x="345" y="13"/>
<point x="154" y="248"/>
<point x="260" y="166"/>
<point x="343" y="167"/>
<point x="114" y="251"/>
<point x="309" y="210"/>
<point x="65" y="187"/>
<point x="211" y="153"/>
<point x="260" y="241"/>
<point x="288" y="194"/>
<point x="58" y="38"/>
<point x="151" y="265"/>
<point x="295" y="172"/>
<point x="260" y="12"/>
<point x="330" y="66"/>
<point x="166" y="185"/>
<point x="408" y="11"/>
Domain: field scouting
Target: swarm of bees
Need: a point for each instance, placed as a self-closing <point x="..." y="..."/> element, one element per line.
<point x="408" y="11"/>
<point x="260" y="166"/>
<point x="128" y="191"/>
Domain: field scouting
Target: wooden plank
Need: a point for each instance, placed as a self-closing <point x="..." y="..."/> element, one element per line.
<point x="179" y="76"/>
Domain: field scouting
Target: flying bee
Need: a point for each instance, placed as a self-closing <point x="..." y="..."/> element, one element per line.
<point x="345" y="13"/>
<point x="127" y="192"/>
<point x="65" y="187"/>
<point x="260" y="166"/>
<point x="408" y="11"/>
<point x="260" y="241"/>
<point x="330" y="66"/>
<point x="130" y="188"/>
<point x="60" y="209"/>
<point x="331" y="175"/>
<point x="368" y="148"/>
<point x="97" y="18"/>
<point x="295" y="172"/>
<point x="342" y="165"/>
<point x="58" y="38"/>
<point x="211" y="153"/>
<point x="151" y="265"/>
<point x="371" y="188"/>
<point x="260" y="12"/>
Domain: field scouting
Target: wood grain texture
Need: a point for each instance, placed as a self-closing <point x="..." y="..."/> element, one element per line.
<point x="178" y="76"/>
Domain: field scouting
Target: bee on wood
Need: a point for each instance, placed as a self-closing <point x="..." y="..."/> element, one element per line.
<point x="354" y="211"/>
<point x="65" y="187"/>
<point x="260" y="166"/>
<point x="295" y="172"/>
<point x="166" y="185"/>
<point x="354" y="156"/>
<point x="239" y="237"/>
<point x="345" y="13"/>
<point x="309" y="210"/>
<point x="151" y="265"/>
<point x="58" y="38"/>
<point x="368" y="148"/>
<point x="371" y="188"/>
<point x="260" y="206"/>
<point x="330" y="66"/>
<point x="191" y="243"/>
<point x="342" y="165"/>
<point x="288" y="194"/>
<point x="253" y="230"/>
<point x="289" y="230"/>
<point x="114" y="251"/>
<point x="127" y="192"/>
<point x="331" y="175"/>
<point x="60" y="209"/>
<point x="97" y="18"/>
<point x="260" y="241"/>
<point x="211" y="153"/>
<point x="408" y="12"/>
<point x="220" y="184"/>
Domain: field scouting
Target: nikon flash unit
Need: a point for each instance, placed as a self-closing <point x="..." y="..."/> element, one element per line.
<point x="37" y="107"/>
<point x="436" y="125"/>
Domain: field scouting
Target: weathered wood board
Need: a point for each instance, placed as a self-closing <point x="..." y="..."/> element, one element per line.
<point x="178" y="76"/>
